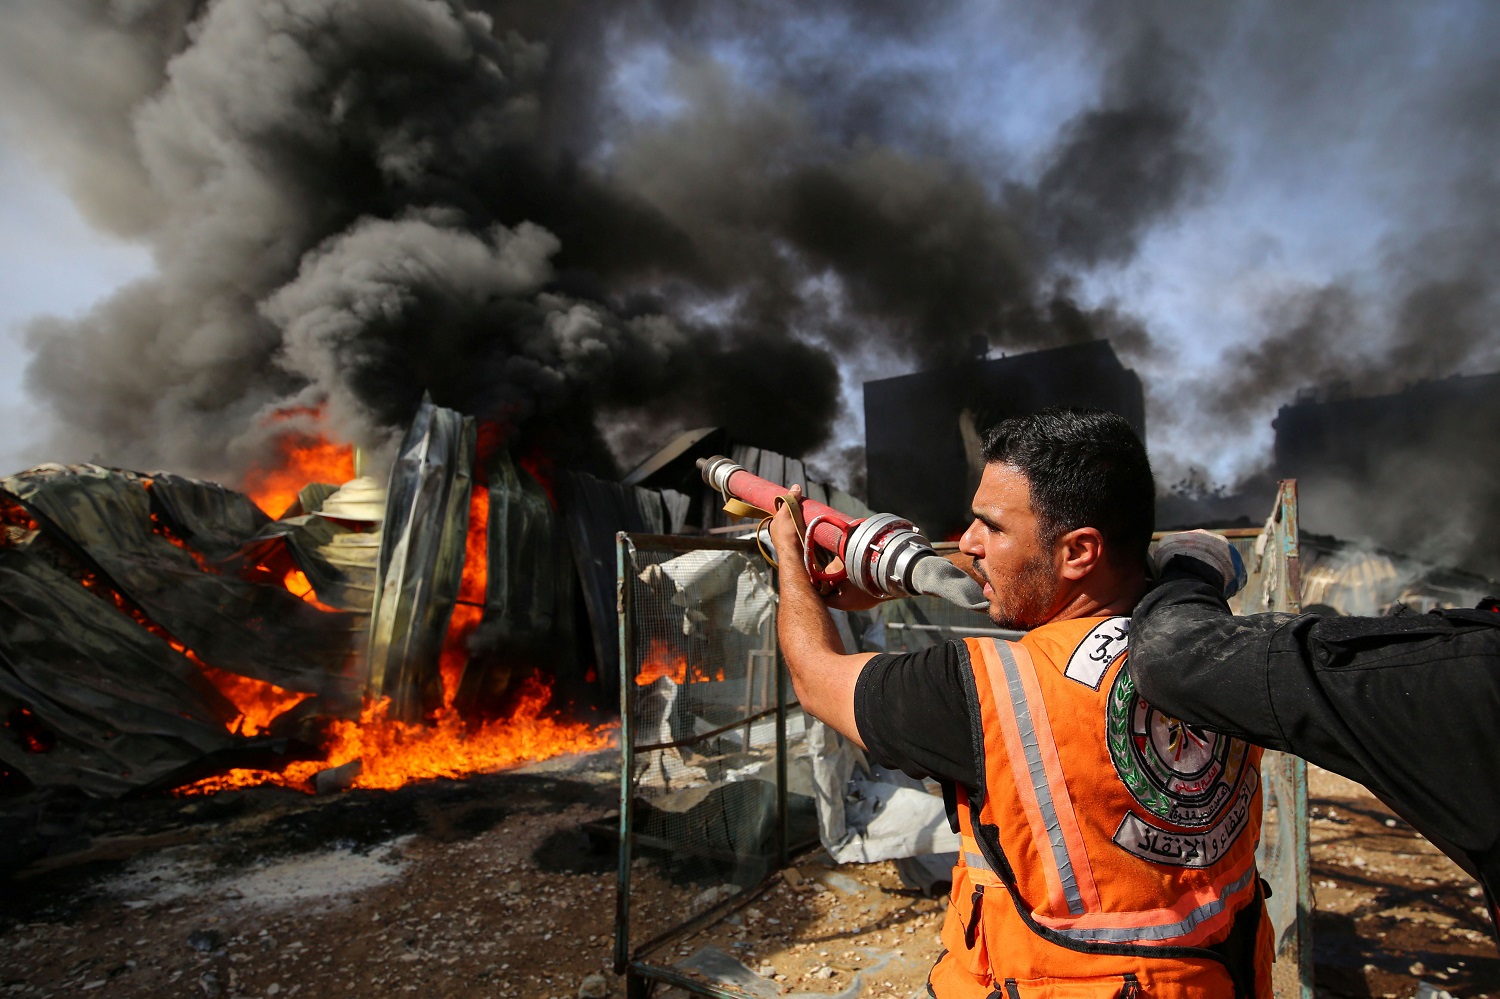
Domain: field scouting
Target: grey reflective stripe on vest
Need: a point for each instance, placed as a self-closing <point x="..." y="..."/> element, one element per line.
<point x="1039" y="779"/>
<point x="977" y="861"/>
<point x="1182" y="927"/>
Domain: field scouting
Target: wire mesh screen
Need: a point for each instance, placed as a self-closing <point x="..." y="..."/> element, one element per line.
<point x="705" y="739"/>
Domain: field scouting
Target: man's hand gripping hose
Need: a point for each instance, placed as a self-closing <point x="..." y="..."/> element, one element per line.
<point x="881" y="555"/>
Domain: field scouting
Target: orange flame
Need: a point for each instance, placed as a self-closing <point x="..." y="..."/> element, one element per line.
<point x="258" y="701"/>
<point x="161" y="530"/>
<point x="476" y="547"/>
<point x="304" y="458"/>
<point x="13" y="517"/>
<point x="469" y="610"/>
<point x="297" y="584"/>
<point x="395" y="753"/>
<point x="663" y="662"/>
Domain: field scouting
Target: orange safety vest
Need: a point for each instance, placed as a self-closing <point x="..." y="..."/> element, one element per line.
<point x="1110" y="846"/>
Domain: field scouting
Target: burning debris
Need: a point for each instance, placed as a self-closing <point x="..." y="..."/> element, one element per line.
<point x="159" y="629"/>
<point x="100" y="690"/>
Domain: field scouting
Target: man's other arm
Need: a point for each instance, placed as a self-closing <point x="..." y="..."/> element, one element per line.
<point x="823" y="676"/>
<point x="1190" y="657"/>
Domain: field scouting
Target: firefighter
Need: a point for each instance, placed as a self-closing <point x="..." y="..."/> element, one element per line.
<point x="1108" y="849"/>
<point x="1406" y="705"/>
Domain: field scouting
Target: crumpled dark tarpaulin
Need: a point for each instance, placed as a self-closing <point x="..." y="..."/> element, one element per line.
<point x="127" y="712"/>
<point x="103" y="517"/>
<point x="214" y="520"/>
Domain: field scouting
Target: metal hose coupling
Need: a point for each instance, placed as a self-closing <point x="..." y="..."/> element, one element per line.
<point x="883" y="555"/>
<point x="716" y="472"/>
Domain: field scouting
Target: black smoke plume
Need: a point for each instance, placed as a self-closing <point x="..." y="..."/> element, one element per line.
<point x="1398" y="101"/>
<point x="351" y="204"/>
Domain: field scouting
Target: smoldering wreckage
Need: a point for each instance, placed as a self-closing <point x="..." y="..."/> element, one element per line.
<point x="160" y="630"/>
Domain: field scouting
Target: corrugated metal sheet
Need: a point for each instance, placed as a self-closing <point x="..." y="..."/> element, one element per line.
<point x="594" y="511"/>
<point x="1357" y="579"/>
<point x="421" y="560"/>
<point x="521" y="592"/>
<point x="529" y="595"/>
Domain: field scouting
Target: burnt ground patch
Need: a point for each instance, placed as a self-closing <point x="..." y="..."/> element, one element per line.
<point x="59" y="844"/>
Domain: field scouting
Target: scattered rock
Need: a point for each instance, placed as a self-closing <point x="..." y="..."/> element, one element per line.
<point x="208" y="984"/>
<point x="713" y="896"/>
<point x="594" y="986"/>
<point x="792" y="876"/>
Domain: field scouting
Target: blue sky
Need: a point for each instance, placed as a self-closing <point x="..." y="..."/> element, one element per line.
<point x="51" y="263"/>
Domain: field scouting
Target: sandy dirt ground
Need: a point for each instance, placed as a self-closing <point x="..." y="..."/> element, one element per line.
<point x="490" y="887"/>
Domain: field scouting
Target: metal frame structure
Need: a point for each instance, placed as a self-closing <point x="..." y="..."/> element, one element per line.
<point x="633" y="960"/>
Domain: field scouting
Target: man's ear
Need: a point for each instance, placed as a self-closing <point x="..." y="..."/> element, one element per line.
<point x="1081" y="551"/>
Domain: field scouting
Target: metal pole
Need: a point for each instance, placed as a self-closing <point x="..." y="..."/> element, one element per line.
<point x="625" y="606"/>
<point x="750" y="658"/>
<point x="1292" y="560"/>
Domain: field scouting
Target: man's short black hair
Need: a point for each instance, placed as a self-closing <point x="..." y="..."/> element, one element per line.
<point x="1086" y="468"/>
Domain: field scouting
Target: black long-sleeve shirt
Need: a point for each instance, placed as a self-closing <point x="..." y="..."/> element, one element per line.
<point x="1409" y="706"/>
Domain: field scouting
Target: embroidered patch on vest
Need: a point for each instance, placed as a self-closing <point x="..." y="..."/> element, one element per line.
<point x="1098" y="652"/>
<point x="1193" y="782"/>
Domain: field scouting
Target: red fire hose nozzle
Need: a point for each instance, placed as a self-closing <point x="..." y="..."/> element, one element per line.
<point x="882" y="554"/>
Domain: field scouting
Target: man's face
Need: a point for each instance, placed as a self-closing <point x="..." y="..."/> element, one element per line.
<point x="1021" y="576"/>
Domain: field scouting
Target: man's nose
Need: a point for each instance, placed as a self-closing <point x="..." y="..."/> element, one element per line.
<point x="970" y="544"/>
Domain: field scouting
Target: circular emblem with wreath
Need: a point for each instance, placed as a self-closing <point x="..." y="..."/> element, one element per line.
<point x="1181" y="773"/>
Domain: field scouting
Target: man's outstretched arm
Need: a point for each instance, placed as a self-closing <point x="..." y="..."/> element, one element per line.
<point x="822" y="674"/>
<point x="1193" y="659"/>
